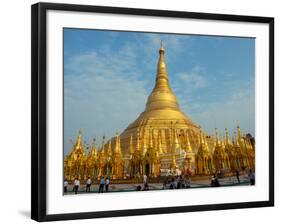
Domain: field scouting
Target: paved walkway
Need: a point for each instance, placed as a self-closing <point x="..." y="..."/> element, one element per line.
<point x="227" y="181"/>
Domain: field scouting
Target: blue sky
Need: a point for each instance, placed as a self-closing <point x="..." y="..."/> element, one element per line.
<point x="108" y="76"/>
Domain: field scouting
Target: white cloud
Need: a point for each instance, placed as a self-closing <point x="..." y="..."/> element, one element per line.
<point x="101" y="96"/>
<point x="237" y="109"/>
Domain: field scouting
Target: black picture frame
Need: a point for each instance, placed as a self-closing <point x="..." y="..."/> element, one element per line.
<point x="39" y="108"/>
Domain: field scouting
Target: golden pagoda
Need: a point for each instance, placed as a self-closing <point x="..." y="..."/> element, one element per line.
<point x="160" y="141"/>
<point x="162" y="122"/>
<point x="75" y="163"/>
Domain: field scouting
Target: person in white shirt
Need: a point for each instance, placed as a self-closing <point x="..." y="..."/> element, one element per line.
<point x="107" y="184"/>
<point x="76" y="185"/>
<point x="144" y="179"/>
<point x="65" y="183"/>
<point x="88" y="184"/>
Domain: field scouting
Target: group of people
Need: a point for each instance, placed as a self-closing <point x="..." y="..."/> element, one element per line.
<point x="145" y="184"/>
<point x="104" y="183"/>
<point x="250" y="175"/>
<point x="171" y="182"/>
<point x="177" y="182"/>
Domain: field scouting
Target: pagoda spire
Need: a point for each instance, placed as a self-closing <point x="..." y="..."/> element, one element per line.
<point x="238" y="134"/>
<point x="206" y="144"/>
<point x="235" y="140"/>
<point x="116" y="150"/>
<point x="217" y="137"/>
<point x="109" y="150"/>
<point x="102" y="146"/>
<point x="202" y="142"/>
<point x="227" y="139"/>
<point x="93" y="151"/>
<point x="162" y="96"/>
<point x="161" y="67"/>
<point x="79" y="139"/>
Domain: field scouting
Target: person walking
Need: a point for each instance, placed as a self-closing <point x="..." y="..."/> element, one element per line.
<point x="146" y="187"/>
<point x="107" y="184"/>
<point x="187" y="182"/>
<point x="217" y="183"/>
<point x="76" y="185"/>
<point x="178" y="182"/>
<point x="237" y="176"/>
<point x="101" y="185"/>
<point x="88" y="184"/>
<point x="144" y="179"/>
<point x="65" y="184"/>
<point x="213" y="181"/>
<point x="251" y="176"/>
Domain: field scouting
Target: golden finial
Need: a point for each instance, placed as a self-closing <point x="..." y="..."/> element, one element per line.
<point x="116" y="143"/>
<point x="161" y="46"/>
<point x="238" y="133"/>
<point x="102" y="146"/>
<point x="79" y="138"/>
<point x="217" y="137"/>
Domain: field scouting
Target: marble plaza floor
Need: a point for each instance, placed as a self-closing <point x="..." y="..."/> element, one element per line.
<point x="227" y="181"/>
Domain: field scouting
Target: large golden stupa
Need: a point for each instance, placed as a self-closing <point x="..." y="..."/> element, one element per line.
<point x="162" y="140"/>
<point x="162" y="114"/>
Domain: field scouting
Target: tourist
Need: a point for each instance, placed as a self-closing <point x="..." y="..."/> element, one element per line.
<point x="251" y="176"/>
<point x="88" y="184"/>
<point x="187" y="172"/>
<point x="182" y="182"/>
<point x="107" y="184"/>
<point x="215" y="181"/>
<point x="165" y="184"/>
<point x="144" y="179"/>
<point x="101" y="185"/>
<point x="217" y="184"/>
<point x="146" y="187"/>
<point x="187" y="182"/>
<point x="173" y="183"/>
<point x="76" y="185"/>
<point x="237" y="176"/>
<point x="178" y="182"/>
<point x="65" y="184"/>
